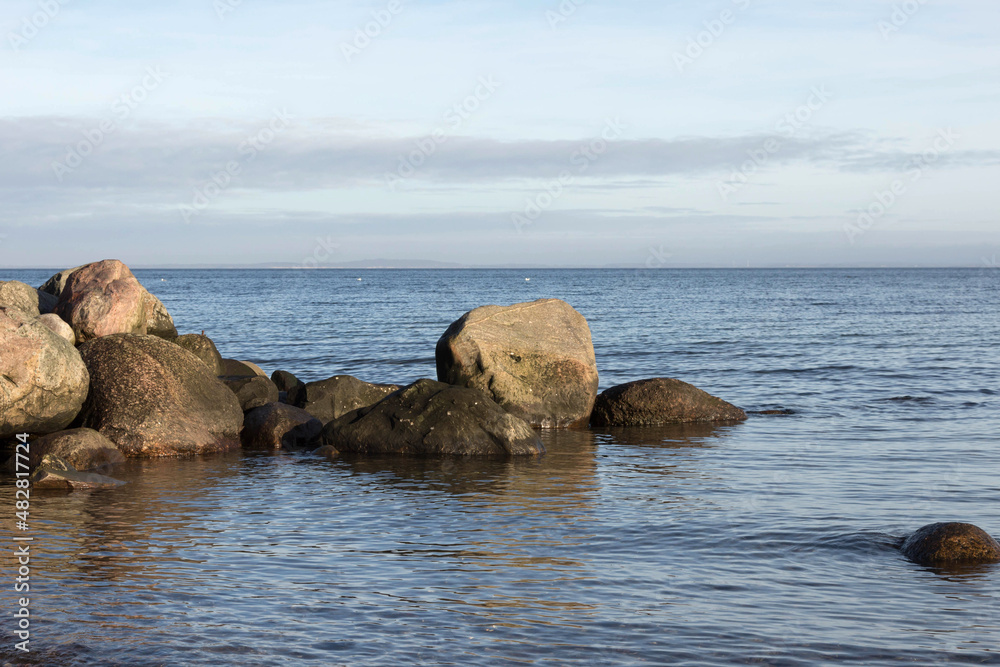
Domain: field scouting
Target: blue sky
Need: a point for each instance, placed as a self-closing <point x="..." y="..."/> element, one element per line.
<point x="580" y="133"/>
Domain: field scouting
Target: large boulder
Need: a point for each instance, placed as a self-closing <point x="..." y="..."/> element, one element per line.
<point x="951" y="543"/>
<point x="82" y="448"/>
<point x="24" y="297"/>
<point x="58" y="327"/>
<point x="660" y="401"/>
<point x="535" y="359"/>
<point x="43" y="380"/>
<point x="153" y="398"/>
<point x="202" y="347"/>
<point x="328" y="399"/>
<point x="104" y="298"/>
<point x="252" y="392"/>
<point x="277" y="425"/>
<point x="429" y="418"/>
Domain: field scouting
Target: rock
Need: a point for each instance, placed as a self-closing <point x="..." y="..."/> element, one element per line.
<point x="82" y="448"/>
<point x="46" y="302"/>
<point x="57" y="283"/>
<point x="328" y="399"/>
<point x="660" y="401"/>
<point x="944" y="543"/>
<point x="153" y="398"/>
<point x="430" y="418"/>
<point x="43" y="380"/>
<point x="277" y="425"/>
<point x="535" y="359"/>
<point x="327" y="452"/>
<point x="285" y="381"/>
<point x="57" y="326"/>
<point x="202" y="347"/>
<point x="104" y="298"/>
<point x="252" y="392"/>
<point x="233" y="368"/>
<point x="14" y="294"/>
<point x="55" y="473"/>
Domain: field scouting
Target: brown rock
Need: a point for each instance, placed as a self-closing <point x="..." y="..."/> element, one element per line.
<point x="944" y="543"/>
<point x="153" y="398"/>
<point x="82" y="448"/>
<point x="328" y="399"/>
<point x="43" y="381"/>
<point x="234" y="368"/>
<point x="535" y="359"/>
<point x="57" y="283"/>
<point x="430" y="418"/>
<point x="660" y="401"/>
<point x="202" y="347"/>
<point x="277" y="425"/>
<point x="327" y="452"/>
<point x="252" y="392"/>
<point x="104" y="298"/>
<point x="285" y="381"/>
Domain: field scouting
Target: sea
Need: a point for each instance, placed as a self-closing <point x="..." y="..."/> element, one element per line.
<point x="769" y="542"/>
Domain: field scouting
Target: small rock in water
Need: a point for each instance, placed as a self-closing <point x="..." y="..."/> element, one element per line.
<point x="951" y="543"/>
<point x="55" y="473"/>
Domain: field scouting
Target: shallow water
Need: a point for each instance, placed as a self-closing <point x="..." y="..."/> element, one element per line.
<point x="769" y="542"/>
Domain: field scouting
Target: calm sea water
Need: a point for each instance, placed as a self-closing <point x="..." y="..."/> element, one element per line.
<point x="769" y="542"/>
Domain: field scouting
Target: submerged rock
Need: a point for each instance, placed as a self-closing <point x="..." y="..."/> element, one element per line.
<point x="536" y="360"/>
<point x="82" y="448"/>
<point x="202" y="347"/>
<point x="252" y="392"/>
<point x="153" y="398"/>
<point x="56" y="473"/>
<point x="276" y="426"/>
<point x="328" y="399"/>
<point x="951" y="543"/>
<point x="43" y="380"/>
<point x="104" y="298"/>
<point x="660" y="401"/>
<point x="430" y="418"/>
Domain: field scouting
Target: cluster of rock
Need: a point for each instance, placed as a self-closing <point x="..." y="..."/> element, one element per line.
<point x="92" y="349"/>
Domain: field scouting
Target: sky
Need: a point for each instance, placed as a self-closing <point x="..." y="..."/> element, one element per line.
<point x="553" y="133"/>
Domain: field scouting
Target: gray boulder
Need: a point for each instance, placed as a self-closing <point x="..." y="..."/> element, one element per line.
<point x="252" y="392"/>
<point x="57" y="283"/>
<point x="153" y="398"/>
<point x="660" y="401"/>
<point x="82" y="448"/>
<point x="202" y="347"/>
<point x="328" y="399"/>
<point x="951" y="543"/>
<point x="43" y="380"/>
<point x="276" y="426"/>
<point x="430" y="418"/>
<point x="14" y="294"/>
<point x="535" y="359"/>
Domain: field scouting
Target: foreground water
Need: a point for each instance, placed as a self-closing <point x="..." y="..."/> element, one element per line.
<point x="770" y="542"/>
